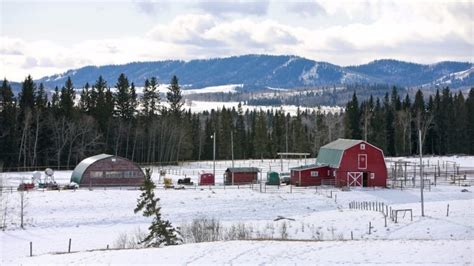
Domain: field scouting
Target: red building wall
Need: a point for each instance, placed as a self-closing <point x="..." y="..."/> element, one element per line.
<point x="371" y="173"/>
<point x="107" y="165"/>
<point x="241" y="178"/>
<point x="304" y="178"/>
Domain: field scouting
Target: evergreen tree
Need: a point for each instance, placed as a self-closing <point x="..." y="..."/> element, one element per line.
<point x="460" y="137"/>
<point x="8" y="137"/>
<point x="151" y="97"/>
<point x="161" y="232"/>
<point x="261" y="138"/>
<point x="41" y="101"/>
<point x="352" y="119"/>
<point x="378" y="136"/>
<point x="470" y="120"/>
<point x="55" y="102"/>
<point x="27" y="97"/>
<point x="123" y="98"/>
<point x="174" y="97"/>
<point x="389" y="127"/>
<point x="226" y="128"/>
<point x="85" y="101"/>
<point x="419" y="116"/>
<point x="66" y="99"/>
<point x="239" y="136"/>
<point x="446" y="125"/>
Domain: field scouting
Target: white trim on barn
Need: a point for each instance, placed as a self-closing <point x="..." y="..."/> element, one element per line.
<point x="356" y="179"/>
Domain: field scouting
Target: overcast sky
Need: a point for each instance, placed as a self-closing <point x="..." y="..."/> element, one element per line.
<point x="47" y="37"/>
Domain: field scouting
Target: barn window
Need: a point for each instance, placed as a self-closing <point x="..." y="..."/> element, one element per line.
<point x="372" y="175"/>
<point x="362" y="146"/>
<point x="96" y="174"/>
<point x="314" y="173"/>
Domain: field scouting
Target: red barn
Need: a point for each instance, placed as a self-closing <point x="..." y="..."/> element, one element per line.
<point x="310" y="175"/>
<point x="241" y="175"/>
<point x="356" y="163"/>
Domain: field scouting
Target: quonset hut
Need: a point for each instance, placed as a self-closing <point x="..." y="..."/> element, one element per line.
<point x="107" y="170"/>
<point x="354" y="162"/>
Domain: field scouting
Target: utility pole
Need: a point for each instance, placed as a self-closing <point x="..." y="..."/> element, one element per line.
<point x="232" y="146"/>
<point x="214" y="155"/>
<point x="422" y="182"/>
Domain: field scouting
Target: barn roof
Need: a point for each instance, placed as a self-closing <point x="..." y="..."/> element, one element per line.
<point x="331" y="153"/>
<point x="82" y="166"/>
<point x="243" y="170"/>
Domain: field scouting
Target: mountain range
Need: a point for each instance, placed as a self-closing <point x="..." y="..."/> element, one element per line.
<point x="286" y="71"/>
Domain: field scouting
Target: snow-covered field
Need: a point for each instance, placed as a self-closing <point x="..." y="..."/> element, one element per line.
<point x="200" y="106"/>
<point x="322" y="224"/>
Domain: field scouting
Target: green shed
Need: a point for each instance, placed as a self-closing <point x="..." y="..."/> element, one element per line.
<point x="273" y="178"/>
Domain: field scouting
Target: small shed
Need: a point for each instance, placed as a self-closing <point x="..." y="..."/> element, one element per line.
<point x="355" y="162"/>
<point x="206" y="179"/>
<point x="311" y="175"/>
<point x="107" y="170"/>
<point x="273" y="178"/>
<point x="241" y="175"/>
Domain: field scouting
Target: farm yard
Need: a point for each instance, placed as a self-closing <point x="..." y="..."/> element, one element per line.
<point x="274" y="224"/>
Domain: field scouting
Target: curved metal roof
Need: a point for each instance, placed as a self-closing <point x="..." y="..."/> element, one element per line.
<point x="331" y="153"/>
<point x="84" y="164"/>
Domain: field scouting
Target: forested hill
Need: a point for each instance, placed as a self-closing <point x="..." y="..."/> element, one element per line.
<point x="258" y="71"/>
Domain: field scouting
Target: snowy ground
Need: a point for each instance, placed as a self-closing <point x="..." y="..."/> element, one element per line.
<point x="95" y="219"/>
<point x="201" y="106"/>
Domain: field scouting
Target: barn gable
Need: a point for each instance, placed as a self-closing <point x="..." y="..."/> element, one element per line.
<point x="84" y="164"/>
<point x="331" y="153"/>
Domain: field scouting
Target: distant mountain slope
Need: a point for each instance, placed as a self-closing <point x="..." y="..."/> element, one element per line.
<point x="256" y="71"/>
<point x="408" y="74"/>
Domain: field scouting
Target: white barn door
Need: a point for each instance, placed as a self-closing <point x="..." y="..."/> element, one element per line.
<point x="354" y="179"/>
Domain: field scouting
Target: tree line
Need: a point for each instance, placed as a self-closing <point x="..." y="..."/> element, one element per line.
<point x="446" y="122"/>
<point x="149" y="127"/>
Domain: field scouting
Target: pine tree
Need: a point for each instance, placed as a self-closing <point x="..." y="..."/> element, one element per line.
<point x="352" y="119"/>
<point x="161" y="232"/>
<point x="389" y="127"/>
<point x="8" y="138"/>
<point x="226" y="128"/>
<point x="470" y="120"/>
<point x="239" y="136"/>
<point x="123" y="98"/>
<point x="174" y="97"/>
<point x="66" y="99"/>
<point x="151" y="97"/>
<point x="460" y="137"/>
<point x="26" y="97"/>
<point x="261" y="138"/>
<point x="85" y="101"/>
